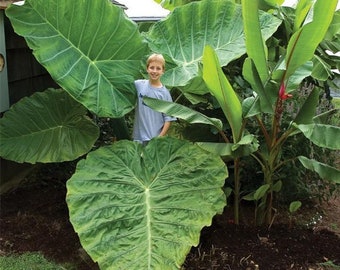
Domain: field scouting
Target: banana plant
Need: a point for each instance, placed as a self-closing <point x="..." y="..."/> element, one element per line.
<point x="300" y="50"/>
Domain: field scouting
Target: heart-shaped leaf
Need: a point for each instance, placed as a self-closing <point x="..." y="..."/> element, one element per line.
<point x="137" y="207"/>
<point x="49" y="126"/>
<point x="90" y="48"/>
<point x="182" y="36"/>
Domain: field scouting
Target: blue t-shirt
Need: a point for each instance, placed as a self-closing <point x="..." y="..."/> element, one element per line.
<point x="148" y="123"/>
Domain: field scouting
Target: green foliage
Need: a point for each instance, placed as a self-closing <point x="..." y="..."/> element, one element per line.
<point x="294" y="206"/>
<point x="171" y="4"/>
<point x="182" y="37"/>
<point x="85" y="58"/>
<point x="119" y="196"/>
<point x="276" y="134"/>
<point x="221" y="89"/>
<point x="138" y="207"/>
<point x="304" y="41"/>
<point x="32" y="261"/>
<point x="330" y="265"/>
<point x="49" y="126"/>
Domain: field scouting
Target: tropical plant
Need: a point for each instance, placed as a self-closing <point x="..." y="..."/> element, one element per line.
<point x="138" y="207"/>
<point x="115" y="196"/>
<point x="43" y="128"/>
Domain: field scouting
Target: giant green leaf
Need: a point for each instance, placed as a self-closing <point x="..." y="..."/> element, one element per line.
<point x="137" y="207"/>
<point x="323" y="170"/>
<point x="49" y="126"/>
<point x="90" y="48"/>
<point x="182" y="36"/>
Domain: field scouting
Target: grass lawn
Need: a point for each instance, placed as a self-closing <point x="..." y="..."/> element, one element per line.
<point x="30" y="260"/>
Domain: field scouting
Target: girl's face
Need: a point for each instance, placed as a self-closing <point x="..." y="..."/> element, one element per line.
<point x="155" y="70"/>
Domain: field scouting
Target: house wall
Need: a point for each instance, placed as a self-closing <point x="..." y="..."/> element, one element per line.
<point x="4" y="98"/>
<point x="25" y="74"/>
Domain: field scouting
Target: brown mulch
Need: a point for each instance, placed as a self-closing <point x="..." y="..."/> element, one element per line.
<point x="34" y="217"/>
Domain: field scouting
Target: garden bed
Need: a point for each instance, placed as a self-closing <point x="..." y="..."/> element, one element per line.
<point x="34" y="217"/>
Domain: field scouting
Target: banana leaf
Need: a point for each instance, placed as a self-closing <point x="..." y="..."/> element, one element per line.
<point x="323" y="170"/>
<point x="256" y="49"/>
<point x="301" y="11"/>
<point x="321" y="135"/>
<point x="303" y="43"/>
<point x="246" y="146"/>
<point x="221" y="89"/>
<point x="183" y="112"/>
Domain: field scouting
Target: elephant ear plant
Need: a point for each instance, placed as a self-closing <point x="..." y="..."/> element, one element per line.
<point x="138" y="207"/>
<point x="133" y="207"/>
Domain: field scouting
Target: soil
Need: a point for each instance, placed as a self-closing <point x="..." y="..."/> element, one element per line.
<point x="34" y="217"/>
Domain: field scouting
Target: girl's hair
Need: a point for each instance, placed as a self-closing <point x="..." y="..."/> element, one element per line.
<point x="155" y="57"/>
